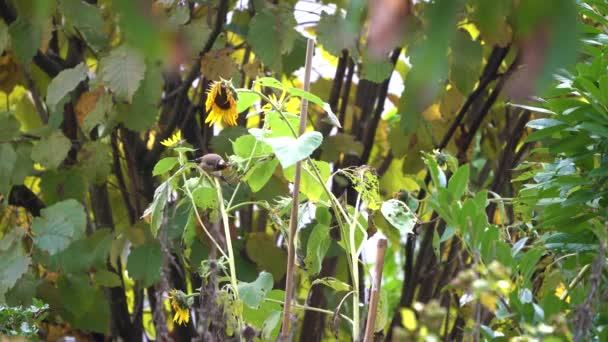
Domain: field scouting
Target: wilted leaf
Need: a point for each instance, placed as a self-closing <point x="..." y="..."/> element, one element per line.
<point x="218" y="64"/>
<point x="395" y="212"/>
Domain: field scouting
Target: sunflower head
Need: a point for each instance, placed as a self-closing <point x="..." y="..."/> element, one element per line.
<point x="221" y="104"/>
<point x="180" y="302"/>
<point x="175" y="139"/>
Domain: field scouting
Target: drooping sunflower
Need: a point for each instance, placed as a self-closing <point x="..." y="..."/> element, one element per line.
<point x="221" y="104"/>
<point x="179" y="303"/>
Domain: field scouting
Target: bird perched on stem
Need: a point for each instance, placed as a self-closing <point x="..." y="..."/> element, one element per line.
<point x="216" y="166"/>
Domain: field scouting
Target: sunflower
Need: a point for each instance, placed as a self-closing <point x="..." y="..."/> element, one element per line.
<point x="180" y="304"/>
<point x="221" y="104"/>
<point x="175" y="139"/>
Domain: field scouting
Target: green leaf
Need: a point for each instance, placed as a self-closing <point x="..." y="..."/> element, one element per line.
<point x="466" y="62"/>
<point x="260" y="174"/>
<point x="8" y="156"/>
<point x="88" y="20"/>
<point x="13" y="264"/>
<point x="333" y="283"/>
<point x="437" y="174"/>
<point x="142" y="113"/>
<point x="429" y="65"/>
<point x="102" y="114"/>
<point x="164" y="165"/>
<point x="84" y="254"/>
<point x="59" y="225"/>
<point x="64" y="83"/>
<point x="144" y="263"/>
<point x="375" y="70"/>
<point x="27" y="37"/>
<point x="296" y="58"/>
<point x="335" y="34"/>
<point x="290" y="150"/>
<point x="84" y="306"/>
<point x="458" y="182"/>
<point x="396" y="213"/>
<point x="205" y="197"/>
<point x="9" y="127"/>
<point x="222" y="143"/>
<point x="106" y="278"/>
<point x="253" y="293"/>
<point x="333" y="119"/>
<point x="122" y="71"/>
<point x="156" y="209"/>
<point x="243" y="147"/>
<point x="59" y="185"/>
<point x="50" y="151"/>
<point x="270" y="82"/>
<point x="197" y="33"/>
<point x="277" y="23"/>
<point x="246" y="100"/>
<point x="309" y="185"/>
<point x="94" y="160"/>
<point x="334" y="145"/>
<point x="316" y="248"/>
<point x="180" y="16"/>
<point x="263" y="251"/>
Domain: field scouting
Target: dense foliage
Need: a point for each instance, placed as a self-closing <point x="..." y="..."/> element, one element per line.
<point x="453" y="149"/>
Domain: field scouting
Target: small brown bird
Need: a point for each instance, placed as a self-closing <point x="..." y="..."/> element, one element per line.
<point x="212" y="163"/>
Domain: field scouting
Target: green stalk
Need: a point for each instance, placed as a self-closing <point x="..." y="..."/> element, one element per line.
<point x="200" y="221"/>
<point x="355" y="270"/>
<point x="231" y="263"/>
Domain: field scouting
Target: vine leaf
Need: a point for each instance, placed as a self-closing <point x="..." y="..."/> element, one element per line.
<point x="278" y="24"/>
<point x="122" y="71"/>
<point x="13" y="264"/>
<point x="59" y="225"/>
<point x="64" y="83"/>
<point x="144" y="263"/>
<point x="52" y="150"/>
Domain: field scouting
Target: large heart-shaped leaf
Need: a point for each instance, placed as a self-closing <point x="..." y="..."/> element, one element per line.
<point x="291" y="150"/>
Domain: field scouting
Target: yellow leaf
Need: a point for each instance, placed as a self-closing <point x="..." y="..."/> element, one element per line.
<point x="408" y="319"/>
<point x="432" y="113"/>
<point x="488" y="300"/>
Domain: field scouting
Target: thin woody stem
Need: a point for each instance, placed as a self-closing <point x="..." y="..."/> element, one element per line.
<point x="293" y="222"/>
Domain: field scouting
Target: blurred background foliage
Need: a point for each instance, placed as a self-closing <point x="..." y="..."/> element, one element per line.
<point x="489" y="119"/>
